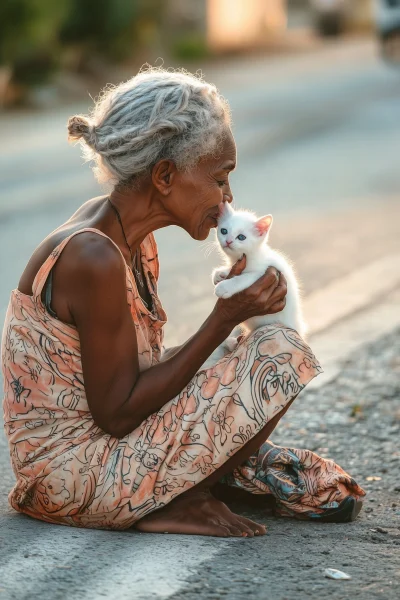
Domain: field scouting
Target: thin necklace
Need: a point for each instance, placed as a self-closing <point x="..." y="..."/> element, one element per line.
<point x="133" y="267"/>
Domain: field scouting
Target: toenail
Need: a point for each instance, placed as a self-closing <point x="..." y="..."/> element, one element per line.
<point x="244" y="534"/>
<point x="256" y="532"/>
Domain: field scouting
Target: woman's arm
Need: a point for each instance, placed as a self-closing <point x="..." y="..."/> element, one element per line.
<point x="170" y="352"/>
<point x="120" y="397"/>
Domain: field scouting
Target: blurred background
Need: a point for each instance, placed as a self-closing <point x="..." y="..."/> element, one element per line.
<point x="314" y="87"/>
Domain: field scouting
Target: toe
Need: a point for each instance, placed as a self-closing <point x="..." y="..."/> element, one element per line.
<point x="219" y="530"/>
<point x="248" y="531"/>
<point x="241" y="528"/>
<point x="257" y="528"/>
<point x="235" y="530"/>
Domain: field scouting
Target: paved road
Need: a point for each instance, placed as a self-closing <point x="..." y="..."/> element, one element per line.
<point x="318" y="135"/>
<point x="318" y="140"/>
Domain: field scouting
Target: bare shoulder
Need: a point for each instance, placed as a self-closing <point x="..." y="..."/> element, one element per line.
<point x="90" y="256"/>
<point x="89" y="280"/>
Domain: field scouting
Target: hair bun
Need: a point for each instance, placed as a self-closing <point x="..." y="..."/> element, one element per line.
<point x="78" y="128"/>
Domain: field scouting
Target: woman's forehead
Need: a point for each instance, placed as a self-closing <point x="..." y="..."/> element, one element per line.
<point x="224" y="161"/>
<point x="229" y="145"/>
<point x="227" y="157"/>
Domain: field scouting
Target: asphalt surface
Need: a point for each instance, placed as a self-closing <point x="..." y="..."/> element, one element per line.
<point x="356" y="420"/>
<point x="318" y="140"/>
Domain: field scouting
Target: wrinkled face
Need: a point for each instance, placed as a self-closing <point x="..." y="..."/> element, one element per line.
<point x="199" y="194"/>
<point x="241" y="232"/>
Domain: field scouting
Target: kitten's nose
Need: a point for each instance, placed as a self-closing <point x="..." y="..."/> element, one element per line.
<point x="228" y="243"/>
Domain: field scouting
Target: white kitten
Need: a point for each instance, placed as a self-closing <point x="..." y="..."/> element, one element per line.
<point x="241" y="232"/>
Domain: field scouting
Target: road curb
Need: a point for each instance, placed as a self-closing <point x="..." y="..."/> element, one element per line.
<point x="339" y="341"/>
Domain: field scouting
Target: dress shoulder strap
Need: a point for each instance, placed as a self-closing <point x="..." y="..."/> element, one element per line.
<point x="43" y="273"/>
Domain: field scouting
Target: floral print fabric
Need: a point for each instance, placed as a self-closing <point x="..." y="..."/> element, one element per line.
<point x="69" y="471"/>
<point x="304" y="485"/>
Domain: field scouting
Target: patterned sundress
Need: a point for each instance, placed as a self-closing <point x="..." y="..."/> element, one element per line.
<point x="69" y="471"/>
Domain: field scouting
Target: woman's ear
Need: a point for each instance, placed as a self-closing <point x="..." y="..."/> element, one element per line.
<point x="263" y="225"/>
<point x="163" y="176"/>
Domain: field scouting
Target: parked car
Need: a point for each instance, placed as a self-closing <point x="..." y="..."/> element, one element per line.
<point x="329" y="16"/>
<point x="388" y="28"/>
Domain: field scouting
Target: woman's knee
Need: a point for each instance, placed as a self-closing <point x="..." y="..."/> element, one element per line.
<point x="280" y="359"/>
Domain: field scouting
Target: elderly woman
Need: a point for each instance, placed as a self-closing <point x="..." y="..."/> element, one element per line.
<point x="105" y="429"/>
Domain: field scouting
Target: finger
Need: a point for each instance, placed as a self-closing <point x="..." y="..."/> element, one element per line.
<point x="282" y="279"/>
<point x="278" y="294"/>
<point x="277" y="307"/>
<point x="272" y="271"/>
<point x="266" y="300"/>
<point x="238" y="267"/>
<point x="269" y="280"/>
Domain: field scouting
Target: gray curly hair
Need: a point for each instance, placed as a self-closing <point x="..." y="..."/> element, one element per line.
<point x="157" y="114"/>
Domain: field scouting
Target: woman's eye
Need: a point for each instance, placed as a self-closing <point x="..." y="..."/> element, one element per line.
<point x="241" y="237"/>
<point x="221" y="183"/>
<point x="224" y="231"/>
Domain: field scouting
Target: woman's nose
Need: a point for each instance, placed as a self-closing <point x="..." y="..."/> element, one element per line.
<point x="228" y="198"/>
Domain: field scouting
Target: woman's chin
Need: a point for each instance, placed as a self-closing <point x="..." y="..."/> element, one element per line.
<point x="203" y="230"/>
<point x="203" y="233"/>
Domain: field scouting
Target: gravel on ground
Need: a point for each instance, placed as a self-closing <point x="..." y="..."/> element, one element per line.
<point x="355" y="420"/>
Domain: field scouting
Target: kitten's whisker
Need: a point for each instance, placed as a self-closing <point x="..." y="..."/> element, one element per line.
<point x="208" y="247"/>
<point x="209" y="250"/>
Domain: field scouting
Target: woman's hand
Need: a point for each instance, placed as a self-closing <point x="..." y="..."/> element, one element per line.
<point x="265" y="296"/>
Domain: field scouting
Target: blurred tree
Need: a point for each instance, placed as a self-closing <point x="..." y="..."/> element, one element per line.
<point x="28" y="37"/>
<point x="36" y="36"/>
<point x="190" y="46"/>
<point x="15" y="17"/>
<point x="109" y="28"/>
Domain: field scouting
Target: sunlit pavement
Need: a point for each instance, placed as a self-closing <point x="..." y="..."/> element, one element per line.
<point x="318" y="138"/>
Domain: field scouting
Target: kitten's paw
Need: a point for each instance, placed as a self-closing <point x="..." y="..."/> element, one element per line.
<point x="219" y="275"/>
<point x="230" y="344"/>
<point x="223" y="290"/>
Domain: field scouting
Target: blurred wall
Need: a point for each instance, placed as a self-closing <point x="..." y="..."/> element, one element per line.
<point x="361" y="13"/>
<point x="240" y="24"/>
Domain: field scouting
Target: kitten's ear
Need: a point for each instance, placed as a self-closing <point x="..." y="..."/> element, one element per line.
<point x="226" y="209"/>
<point x="263" y="225"/>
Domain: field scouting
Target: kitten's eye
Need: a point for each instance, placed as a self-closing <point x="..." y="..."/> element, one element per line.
<point x="241" y="237"/>
<point x="224" y="231"/>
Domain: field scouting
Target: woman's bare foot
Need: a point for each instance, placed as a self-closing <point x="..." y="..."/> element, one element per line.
<point x="199" y="513"/>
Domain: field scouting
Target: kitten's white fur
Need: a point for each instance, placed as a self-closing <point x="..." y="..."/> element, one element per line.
<point x="259" y="256"/>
